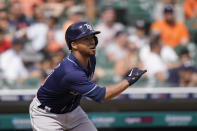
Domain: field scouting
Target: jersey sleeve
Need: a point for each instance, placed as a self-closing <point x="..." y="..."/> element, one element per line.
<point x="78" y="81"/>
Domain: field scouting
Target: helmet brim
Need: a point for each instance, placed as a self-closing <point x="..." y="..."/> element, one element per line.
<point x="96" y="32"/>
<point x="90" y="33"/>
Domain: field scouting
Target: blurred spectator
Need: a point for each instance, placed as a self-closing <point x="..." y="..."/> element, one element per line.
<point x="172" y="32"/>
<point x="108" y="27"/>
<point x="51" y="44"/>
<point x="37" y="31"/>
<point x="27" y="6"/>
<point x="117" y="52"/>
<point x="139" y="37"/>
<point x="132" y="60"/>
<point x="17" y="20"/>
<point x="90" y="6"/>
<point x="41" y="66"/>
<point x="55" y="32"/>
<point x="117" y="49"/>
<point x="37" y="24"/>
<point x="3" y="19"/>
<point x="11" y="63"/>
<point x="41" y="33"/>
<point x="50" y="61"/>
<point x="45" y="66"/>
<point x="56" y="57"/>
<point x="4" y="26"/>
<point x="133" y="57"/>
<point x="2" y="4"/>
<point x="157" y="12"/>
<point x="68" y="3"/>
<point x="38" y="15"/>
<point x="168" y="55"/>
<point x="4" y="44"/>
<point x="190" y="8"/>
<point x="52" y="8"/>
<point x="31" y="61"/>
<point x="157" y="69"/>
<point x="186" y="74"/>
<point x="74" y="14"/>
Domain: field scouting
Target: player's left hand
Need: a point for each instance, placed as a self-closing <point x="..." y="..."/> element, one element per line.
<point x="134" y="74"/>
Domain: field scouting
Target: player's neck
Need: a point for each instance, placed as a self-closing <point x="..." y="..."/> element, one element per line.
<point x="82" y="59"/>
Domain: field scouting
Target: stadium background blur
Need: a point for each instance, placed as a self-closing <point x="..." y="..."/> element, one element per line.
<point x="159" y="35"/>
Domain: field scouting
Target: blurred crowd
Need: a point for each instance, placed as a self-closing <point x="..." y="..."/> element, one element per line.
<point x="32" y="40"/>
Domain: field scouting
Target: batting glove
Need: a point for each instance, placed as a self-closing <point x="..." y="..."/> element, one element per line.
<point x="134" y="75"/>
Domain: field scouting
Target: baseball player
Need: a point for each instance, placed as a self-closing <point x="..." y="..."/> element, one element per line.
<point x="56" y="106"/>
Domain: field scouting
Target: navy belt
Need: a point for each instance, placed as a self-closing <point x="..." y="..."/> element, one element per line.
<point x="51" y="110"/>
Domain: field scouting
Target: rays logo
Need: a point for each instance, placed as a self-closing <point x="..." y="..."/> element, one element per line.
<point x="88" y="26"/>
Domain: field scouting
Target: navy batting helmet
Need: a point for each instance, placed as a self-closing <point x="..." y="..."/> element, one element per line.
<point x="79" y="30"/>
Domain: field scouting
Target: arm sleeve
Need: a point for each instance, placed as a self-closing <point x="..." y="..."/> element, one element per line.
<point x="79" y="82"/>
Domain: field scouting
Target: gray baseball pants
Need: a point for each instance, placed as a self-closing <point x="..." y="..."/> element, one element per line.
<point x="41" y="120"/>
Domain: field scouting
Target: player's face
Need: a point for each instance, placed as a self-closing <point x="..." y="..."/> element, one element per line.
<point x="87" y="45"/>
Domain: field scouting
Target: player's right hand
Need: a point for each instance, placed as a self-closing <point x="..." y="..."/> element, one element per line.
<point x="134" y="74"/>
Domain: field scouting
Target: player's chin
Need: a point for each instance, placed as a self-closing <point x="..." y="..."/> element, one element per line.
<point x="93" y="51"/>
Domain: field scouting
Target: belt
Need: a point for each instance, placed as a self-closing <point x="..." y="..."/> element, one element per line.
<point x="48" y="109"/>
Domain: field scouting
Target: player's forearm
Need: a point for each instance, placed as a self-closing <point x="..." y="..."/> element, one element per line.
<point x="114" y="90"/>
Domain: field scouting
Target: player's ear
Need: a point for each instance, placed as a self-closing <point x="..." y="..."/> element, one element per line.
<point x="73" y="45"/>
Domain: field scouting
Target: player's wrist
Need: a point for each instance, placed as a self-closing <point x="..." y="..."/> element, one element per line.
<point x="134" y="75"/>
<point x="129" y="80"/>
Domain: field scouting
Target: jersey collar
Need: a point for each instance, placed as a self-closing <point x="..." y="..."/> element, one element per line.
<point x="73" y="59"/>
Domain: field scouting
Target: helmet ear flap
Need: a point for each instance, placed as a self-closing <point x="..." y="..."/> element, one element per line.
<point x="96" y="40"/>
<point x="69" y="45"/>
